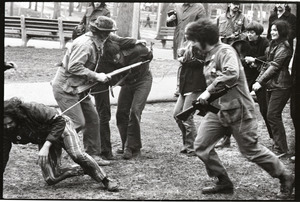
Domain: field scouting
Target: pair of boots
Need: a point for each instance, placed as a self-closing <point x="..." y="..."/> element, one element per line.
<point x="225" y="186"/>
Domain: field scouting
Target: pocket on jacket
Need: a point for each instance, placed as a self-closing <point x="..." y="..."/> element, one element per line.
<point x="234" y="111"/>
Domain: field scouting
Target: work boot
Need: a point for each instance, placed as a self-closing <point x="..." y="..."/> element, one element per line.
<point x="224" y="185"/>
<point x="100" y="161"/>
<point x="107" y="156"/>
<point x="225" y="142"/>
<point x="129" y="153"/>
<point x="111" y="185"/>
<point x="287" y="183"/>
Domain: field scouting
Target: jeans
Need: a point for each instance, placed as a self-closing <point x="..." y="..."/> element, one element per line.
<point x="261" y="96"/>
<point x="52" y="171"/>
<point x="188" y="128"/>
<point x="102" y="101"/>
<point x="245" y="132"/>
<point x="276" y="101"/>
<point x="84" y="116"/>
<point x="131" y="102"/>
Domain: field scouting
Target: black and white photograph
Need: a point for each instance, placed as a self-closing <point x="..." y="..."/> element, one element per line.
<point x="184" y="100"/>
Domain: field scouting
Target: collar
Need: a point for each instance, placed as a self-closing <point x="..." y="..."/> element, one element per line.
<point x="99" y="43"/>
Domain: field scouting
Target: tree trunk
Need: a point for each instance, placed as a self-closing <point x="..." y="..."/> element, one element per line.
<point x="80" y="7"/>
<point x="162" y="16"/>
<point x="56" y="12"/>
<point x="115" y="11"/>
<point x="11" y="12"/>
<point x="36" y="5"/>
<point x="42" y="11"/>
<point x="71" y="8"/>
<point x="124" y="19"/>
<point x="29" y="7"/>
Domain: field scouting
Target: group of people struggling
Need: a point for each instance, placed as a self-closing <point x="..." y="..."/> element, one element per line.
<point x="208" y="65"/>
<point x="257" y="64"/>
<point x="93" y="54"/>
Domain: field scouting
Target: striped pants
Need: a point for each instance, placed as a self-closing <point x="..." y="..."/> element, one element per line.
<point x="54" y="173"/>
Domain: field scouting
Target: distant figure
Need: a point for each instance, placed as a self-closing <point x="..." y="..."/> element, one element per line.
<point x="232" y="23"/>
<point x="148" y="22"/>
<point x="185" y="13"/>
<point x="94" y="10"/>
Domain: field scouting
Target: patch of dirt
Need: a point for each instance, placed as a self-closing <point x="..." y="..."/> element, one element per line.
<point x="160" y="173"/>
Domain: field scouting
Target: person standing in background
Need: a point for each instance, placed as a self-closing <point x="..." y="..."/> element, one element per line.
<point x="252" y="63"/>
<point x="232" y="23"/>
<point x="148" y="22"/>
<point x="94" y="10"/>
<point x="183" y="14"/>
<point x="283" y="12"/>
<point x="192" y="84"/>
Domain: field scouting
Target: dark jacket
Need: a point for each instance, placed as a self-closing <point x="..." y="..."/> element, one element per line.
<point x="137" y="54"/>
<point x="290" y="18"/>
<point x="191" y="78"/>
<point x="257" y="50"/>
<point x="41" y="124"/>
<point x="91" y="14"/>
<point x="276" y="75"/>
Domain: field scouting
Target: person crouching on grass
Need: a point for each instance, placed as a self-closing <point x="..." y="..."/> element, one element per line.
<point x="39" y="124"/>
<point x="222" y="68"/>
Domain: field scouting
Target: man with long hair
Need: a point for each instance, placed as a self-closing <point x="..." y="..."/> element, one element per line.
<point x="42" y="125"/>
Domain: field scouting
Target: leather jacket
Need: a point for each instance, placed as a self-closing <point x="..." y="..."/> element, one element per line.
<point x="40" y="123"/>
<point x="276" y="75"/>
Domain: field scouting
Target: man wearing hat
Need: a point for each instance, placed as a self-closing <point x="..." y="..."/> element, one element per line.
<point x="77" y="68"/>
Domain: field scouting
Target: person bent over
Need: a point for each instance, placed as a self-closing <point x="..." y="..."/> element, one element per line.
<point x="237" y="111"/>
<point x="133" y="95"/>
<point x="38" y="124"/>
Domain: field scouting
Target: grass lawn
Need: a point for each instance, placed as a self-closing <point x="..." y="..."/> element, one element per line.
<point x="160" y="173"/>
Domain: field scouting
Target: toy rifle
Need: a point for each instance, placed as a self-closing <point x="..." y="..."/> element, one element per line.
<point x="204" y="108"/>
<point x="85" y="87"/>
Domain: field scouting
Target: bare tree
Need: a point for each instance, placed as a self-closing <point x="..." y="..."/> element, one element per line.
<point x="71" y="8"/>
<point x="57" y="9"/>
<point x="42" y="11"/>
<point x="36" y="5"/>
<point x="163" y="15"/>
<point x="30" y="4"/>
<point x="11" y="12"/>
<point x="124" y="19"/>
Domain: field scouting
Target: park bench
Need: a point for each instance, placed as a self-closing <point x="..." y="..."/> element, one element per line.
<point x="28" y="27"/>
<point x="66" y="28"/>
<point x="165" y="34"/>
<point x="13" y="26"/>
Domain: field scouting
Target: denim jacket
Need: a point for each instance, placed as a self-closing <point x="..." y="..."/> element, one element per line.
<point x="276" y="75"/>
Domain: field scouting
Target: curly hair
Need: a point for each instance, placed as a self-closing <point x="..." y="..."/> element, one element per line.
<point x="204" y="31"/>
<point x="13" y="109"/>
<point x="283" y="28"/>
